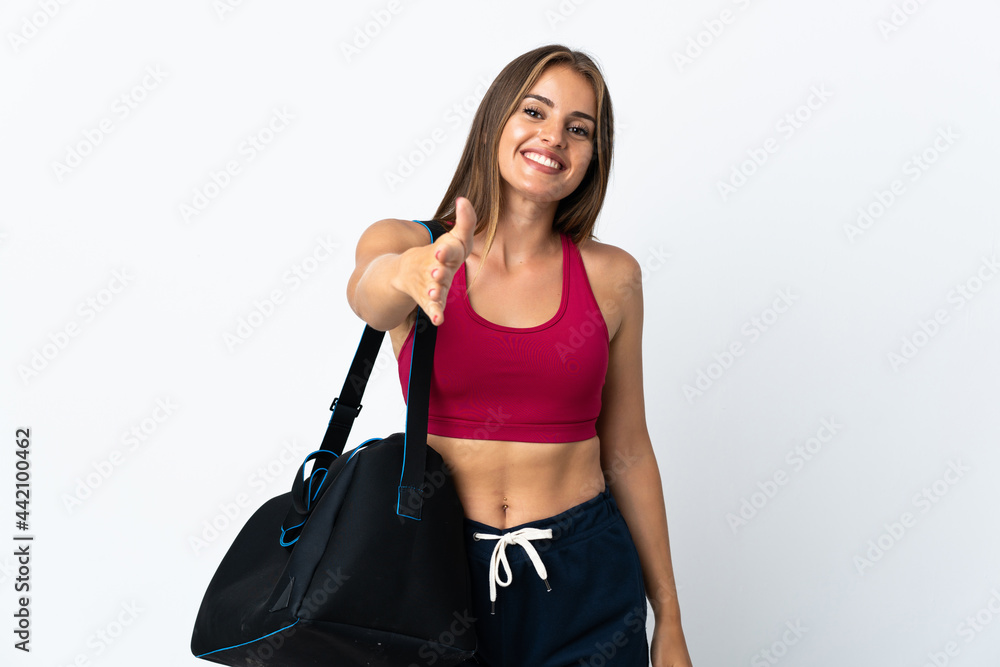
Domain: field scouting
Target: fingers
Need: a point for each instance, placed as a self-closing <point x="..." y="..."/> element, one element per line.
<point x="436" y="299"/>
<point x="439" y="276"/>
<point x="435" y="313"/>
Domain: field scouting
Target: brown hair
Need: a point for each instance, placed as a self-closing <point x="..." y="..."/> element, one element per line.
<point x="478" y="174"/>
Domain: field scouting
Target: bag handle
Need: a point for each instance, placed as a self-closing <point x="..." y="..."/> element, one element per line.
<point x="347" y="406"/>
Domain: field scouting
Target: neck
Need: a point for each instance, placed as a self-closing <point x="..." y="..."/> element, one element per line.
<point x="524" y="232"/>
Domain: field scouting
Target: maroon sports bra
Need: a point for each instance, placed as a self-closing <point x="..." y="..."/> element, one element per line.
<point x="533" y="384"/>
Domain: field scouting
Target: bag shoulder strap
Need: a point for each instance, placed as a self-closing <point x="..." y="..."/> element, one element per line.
<point x="435" y="227"/>
<point x="347" y="405"/>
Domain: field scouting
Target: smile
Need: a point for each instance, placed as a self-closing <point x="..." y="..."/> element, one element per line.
<point x="542" y="160"/>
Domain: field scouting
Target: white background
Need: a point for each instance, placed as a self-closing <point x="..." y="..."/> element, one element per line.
<point x="860" y="297"/>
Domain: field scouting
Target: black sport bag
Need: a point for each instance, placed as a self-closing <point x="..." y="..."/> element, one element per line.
<point x="363" y="562"/>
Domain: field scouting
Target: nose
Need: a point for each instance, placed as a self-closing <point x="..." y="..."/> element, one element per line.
<point x="552" y="132"/>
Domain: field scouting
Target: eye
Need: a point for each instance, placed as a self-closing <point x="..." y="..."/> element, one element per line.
<point x="578" y="130"/>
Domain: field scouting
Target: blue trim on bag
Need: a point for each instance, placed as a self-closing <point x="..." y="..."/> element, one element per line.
<point x="310" y="496"/>
<point x="361" y="446"/>
<point x="281" y="538"/>
<point x="320" y="451"/>
<point x="226" y="648"/>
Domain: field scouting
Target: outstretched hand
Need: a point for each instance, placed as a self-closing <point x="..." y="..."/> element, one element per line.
<point x="427" y="271"/>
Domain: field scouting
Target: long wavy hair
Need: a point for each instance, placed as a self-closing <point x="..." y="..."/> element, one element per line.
<point x="477" y="176"/>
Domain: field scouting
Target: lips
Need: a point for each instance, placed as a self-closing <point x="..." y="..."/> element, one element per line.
<point x="544" y="158"/>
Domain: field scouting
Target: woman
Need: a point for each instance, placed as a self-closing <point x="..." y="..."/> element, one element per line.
<point x="536" y="401"/>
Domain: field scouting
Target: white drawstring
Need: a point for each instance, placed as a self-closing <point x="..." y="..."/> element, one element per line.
<point x="499" y="557"/>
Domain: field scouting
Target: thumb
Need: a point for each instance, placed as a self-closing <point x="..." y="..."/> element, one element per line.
<point x="465" y="223"/>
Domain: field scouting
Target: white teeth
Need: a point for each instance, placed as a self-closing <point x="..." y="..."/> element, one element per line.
<point x="541" y="159"/>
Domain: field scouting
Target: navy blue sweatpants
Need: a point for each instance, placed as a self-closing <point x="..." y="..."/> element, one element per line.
<point x="590" y="611"/>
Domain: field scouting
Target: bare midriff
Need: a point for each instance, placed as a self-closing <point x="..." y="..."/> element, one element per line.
<point x="505" y="483"/>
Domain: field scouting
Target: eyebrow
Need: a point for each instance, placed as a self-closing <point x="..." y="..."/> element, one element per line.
<point x="573" y="114"/>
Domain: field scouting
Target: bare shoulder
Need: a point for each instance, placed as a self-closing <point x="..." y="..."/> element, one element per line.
<point x="606" y="263"/>
<point x="388" y="236"/>
<point x="615" y="277"/>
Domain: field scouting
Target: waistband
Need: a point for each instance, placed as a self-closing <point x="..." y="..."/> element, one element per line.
<point x="577" y="523"/>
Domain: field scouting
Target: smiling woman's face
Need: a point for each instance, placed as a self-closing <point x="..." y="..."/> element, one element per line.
<point x="554" y="122"/>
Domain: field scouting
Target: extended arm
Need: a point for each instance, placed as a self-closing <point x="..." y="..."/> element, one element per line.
<point x="371" y="290"/>
<point x="396" y="268"/>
